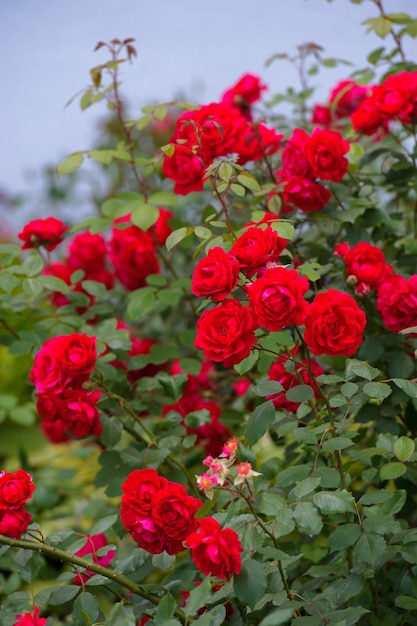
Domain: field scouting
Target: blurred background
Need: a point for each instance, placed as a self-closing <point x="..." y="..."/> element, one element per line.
<point x="187" y="49"/>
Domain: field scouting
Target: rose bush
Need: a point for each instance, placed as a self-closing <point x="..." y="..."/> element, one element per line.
<point x="219" y="380"/>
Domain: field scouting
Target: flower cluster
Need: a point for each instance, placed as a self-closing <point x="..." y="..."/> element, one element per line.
<point x="60" y="369"/>
<point x="366" y="267"/>
<point x="343" y="100"/>
<point x="305" y="158"/>
<point x="158" y="513"/>
<point x="15" y="490"/>
<point x="215" y="130"/>
<point x="219" y="469"/>
<point x="394" y="99"/>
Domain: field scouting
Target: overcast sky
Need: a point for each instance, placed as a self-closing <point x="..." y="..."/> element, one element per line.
<point x="195" y="48"/>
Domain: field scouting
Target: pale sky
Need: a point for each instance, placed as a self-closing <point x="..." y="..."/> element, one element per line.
<point x="196" y="48"/>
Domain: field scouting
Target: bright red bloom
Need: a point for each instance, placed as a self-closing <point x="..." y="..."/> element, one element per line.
<point x="48" y="406"/>
<point x="161" y="228"/>
<point x="93" y="543"/>
<point x="14" y="522"/>
<point x="305" y="194"/>
<point x="256" y="248"/>
<point x="31" y="619"/>
<point x="87" y="252"/>
<point x="245" y="92"/>
<point x="346" y="97"/>
<point x="186" y="169"/>
<point x="79" y="414"/>
<point x="15" y="489"/>
<point x="367" y="118"/>
<point x="140" y="487"/>
<point x="366" y="267"/>
<point x="63" y="362"/>
<point x="173" y="512"/>
<point x="397" y="302"/>
<point x="256" y="142"/>
<point x="277" y="298"/>
<point x="294" y="161"/>
<point x="216" y="275"/>
<point x="215" y="551"/>
<point x="133" y="254"/>
<point x="325" y="152"/>
<point x="335" y="324"/>
<point x="226" y="333"/>
<point x="47" y="232"/>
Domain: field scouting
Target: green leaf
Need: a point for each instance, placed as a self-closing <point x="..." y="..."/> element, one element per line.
<point x="343" y="537"/>
<point x="300" y="393"/>
<point x="406" y="602"/>
<point x="369" y="548"/>
<point x="260" y="419"/>
<point x="409" y="387"/>
<point x="271" y="503"/>
<point x="308" y="518"/>
<point x="404" y="448"/>
<point x="305" y="487"/>
<point x="54" y="284"/>
<point x="267" y="388"/>
<point x="247" y="364"/>
<point x="360" y="369"/>
<point x="285" y="230"/>
<point x="337" y="443"/>
<point x="164" y="198"/>
<point x="85" y="609"/>
<point x="248" y="181"/>
<point x="237" y="189"/>
<point x="202" y="232"/>
<point x="198" y="597"/>
<point x="278" y="617"/>
<point x="250" y="584"/>
<point x="334" y="502"/>
<point x="70" y="164"/>
<point x="145" y="216"/>
<point x="177" y="236"/>
<point x="380" y="391"/>
<point x="141" y="302"/>
<point x="104" y="524"/>
<point x="292" y="475"/>
<point x="60" y="595"/>
<point x="392" y="470"/>
<point x="213" y="617"/>
<point x="165" y="610"/>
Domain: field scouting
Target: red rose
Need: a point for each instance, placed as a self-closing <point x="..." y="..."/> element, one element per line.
<point x="133" y="254"/>
<point x="14" y="522"/>
<point x="216" y="275"/>
<point x="366" y="118"/>
<point x="256" y="142"/>
<point x="15" y="489"/>
<point x="256" y="248"/>
<point x="245" y="92"/>
<point x="214" y="128"/>
<point x="366" y="267"/>
<point x="31" y="619"/>
<point x="92" y="545"/>
<point x="226" y="333"/>
<point x="277" y="298"/>
<point x="397" y="302"/>
<point x="87" y="252"/>
<point x="64" y="361"/>
<point x="335" y="324"/>
<point x="173" y="512"/>
<point x="186" y="169"/>
<point x="48" y="233"/>
<point x="139" y="489"/>
<point x="215" y="552"/>
<point x="143" y="530"/>
<point x="322" y="115"/>
<point x="346" y="97"/>
<point x="391" y="99"/>
<point x="305" y="194"/>
<point x="324" y="152"/>
<point x="291" y="374"/>
<point x="294" y="162"/>
<point x="79" y="413"/>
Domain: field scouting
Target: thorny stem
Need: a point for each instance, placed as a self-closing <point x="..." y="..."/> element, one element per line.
<point x="62" y="555"/>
